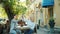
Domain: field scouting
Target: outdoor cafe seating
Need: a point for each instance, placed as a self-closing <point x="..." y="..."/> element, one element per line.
<point x="5" y="28"/>
<point x="23" y="28"/>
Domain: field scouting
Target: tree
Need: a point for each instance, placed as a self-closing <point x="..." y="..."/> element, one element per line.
<point x="10" y="9"/>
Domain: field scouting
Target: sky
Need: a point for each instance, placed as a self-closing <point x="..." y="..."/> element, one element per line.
<point x="22" y="0"/>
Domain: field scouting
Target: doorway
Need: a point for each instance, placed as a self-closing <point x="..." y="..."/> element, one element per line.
<point x="50" y="12"/>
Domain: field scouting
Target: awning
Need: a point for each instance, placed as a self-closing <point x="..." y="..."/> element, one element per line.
<point x="46" y="3"/>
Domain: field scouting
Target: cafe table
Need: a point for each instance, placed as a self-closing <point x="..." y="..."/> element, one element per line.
<point x="23" y="28"/>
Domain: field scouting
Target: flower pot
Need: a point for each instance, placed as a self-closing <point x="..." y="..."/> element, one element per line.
<point x="51" y="23"/>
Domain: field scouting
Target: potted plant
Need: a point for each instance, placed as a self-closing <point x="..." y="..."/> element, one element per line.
<point x="51" y="22"/>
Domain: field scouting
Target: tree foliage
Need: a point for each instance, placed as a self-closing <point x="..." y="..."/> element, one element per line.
<point x="2" y="12"/>
<point x="12" y="7"/>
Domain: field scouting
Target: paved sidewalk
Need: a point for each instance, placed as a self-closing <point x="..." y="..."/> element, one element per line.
<point x="46" y="31"/>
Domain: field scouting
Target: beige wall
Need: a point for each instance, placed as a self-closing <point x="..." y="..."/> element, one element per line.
<point x="46" y="16"/>
<point x="57" y="12"/>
